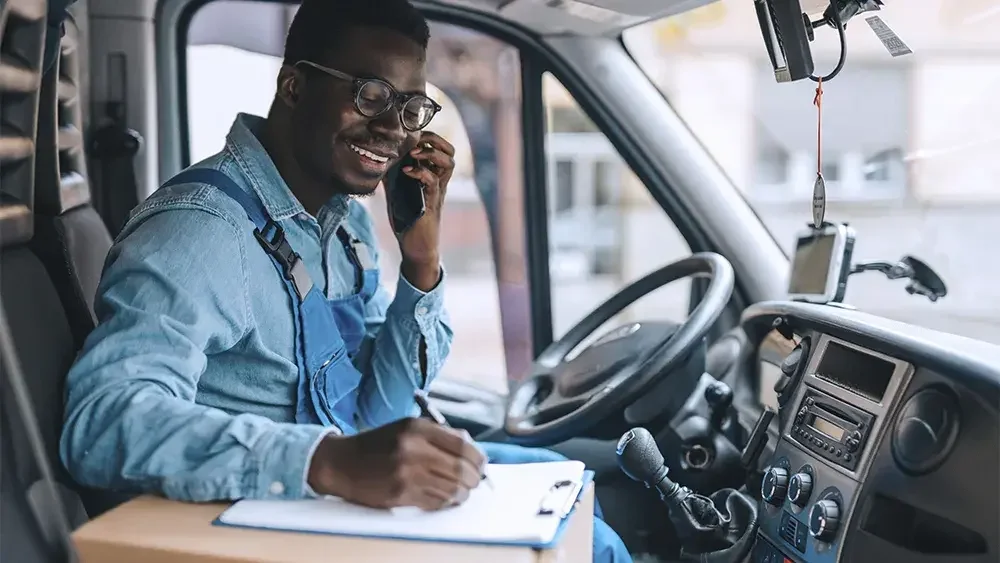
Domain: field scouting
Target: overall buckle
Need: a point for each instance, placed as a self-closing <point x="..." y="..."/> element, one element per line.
<point x="291" y="263"/>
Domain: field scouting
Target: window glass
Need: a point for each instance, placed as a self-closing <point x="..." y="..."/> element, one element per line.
<point x="605" y="229"/>
<point x="909" y="142"/>
<point x="227" y="73"/>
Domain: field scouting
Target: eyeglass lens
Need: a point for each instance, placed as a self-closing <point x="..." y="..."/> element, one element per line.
<point x="375" y="97"/>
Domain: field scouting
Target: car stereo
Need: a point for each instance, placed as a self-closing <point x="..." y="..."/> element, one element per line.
<point x="835" y="426"/>
<point x="831" y="428"/>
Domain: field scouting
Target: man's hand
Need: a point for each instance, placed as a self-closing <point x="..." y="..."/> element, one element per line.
<point x="411" y="462"/>
<point x="419" y="245"/>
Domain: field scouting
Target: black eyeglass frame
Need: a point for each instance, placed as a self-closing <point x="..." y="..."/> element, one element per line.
<point x="396" y="99"/>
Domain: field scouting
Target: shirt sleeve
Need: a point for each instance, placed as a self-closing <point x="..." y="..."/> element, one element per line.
<point x="131" y="421"/>
<point x="389" y="358"/>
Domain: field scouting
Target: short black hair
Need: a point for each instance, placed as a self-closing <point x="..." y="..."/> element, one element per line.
<point x="318" y="24"/>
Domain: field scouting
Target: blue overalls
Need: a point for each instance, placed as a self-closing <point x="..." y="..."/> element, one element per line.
<point x="328" y="332"/>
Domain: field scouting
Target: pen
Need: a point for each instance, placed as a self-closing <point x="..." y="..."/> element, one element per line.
<point x="428" y="411"/>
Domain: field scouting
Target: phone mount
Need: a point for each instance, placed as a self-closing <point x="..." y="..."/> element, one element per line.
<point x="923" y="280"/>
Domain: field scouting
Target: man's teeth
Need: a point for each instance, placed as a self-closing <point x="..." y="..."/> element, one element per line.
<point x="369" y="154"/>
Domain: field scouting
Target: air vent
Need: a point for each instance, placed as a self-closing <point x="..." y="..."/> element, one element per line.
<point x="926" y="430"/>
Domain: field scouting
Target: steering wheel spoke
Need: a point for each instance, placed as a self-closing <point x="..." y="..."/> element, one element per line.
<point x="556" y="405"/>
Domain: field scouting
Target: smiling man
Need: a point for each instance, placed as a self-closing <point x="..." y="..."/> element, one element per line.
<point x="246" y="348"/>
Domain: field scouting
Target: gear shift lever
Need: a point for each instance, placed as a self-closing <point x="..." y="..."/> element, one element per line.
<point x="717" y="529"/>
<point x="720" y="399"/>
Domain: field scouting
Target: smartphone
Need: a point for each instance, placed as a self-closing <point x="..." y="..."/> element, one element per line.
<point x="404" y="196"/>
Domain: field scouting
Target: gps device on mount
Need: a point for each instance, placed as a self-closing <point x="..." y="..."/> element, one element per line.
<point x="821" y="264"/>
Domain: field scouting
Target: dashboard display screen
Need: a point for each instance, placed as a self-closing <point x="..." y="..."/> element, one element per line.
<point x="855" y="371"/>
<point x="824" y="426"/>
<point x="811" y="264"/>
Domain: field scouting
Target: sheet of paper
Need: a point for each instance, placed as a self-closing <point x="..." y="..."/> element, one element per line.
<point x="508" y="513"/>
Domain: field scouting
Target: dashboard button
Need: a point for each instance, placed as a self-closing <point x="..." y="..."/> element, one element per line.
<point x="774" y="485"/>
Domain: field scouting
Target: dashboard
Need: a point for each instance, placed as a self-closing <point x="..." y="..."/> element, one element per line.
<point x="888" y="439"/>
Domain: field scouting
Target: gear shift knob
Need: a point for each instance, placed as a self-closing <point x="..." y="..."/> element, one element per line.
<point x="719" y="397"/>
<point x="719" y="528"/>
<point x="640" y="459"/>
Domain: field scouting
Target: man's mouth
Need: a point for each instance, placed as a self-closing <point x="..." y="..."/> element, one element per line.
<point x="379" y="157"/>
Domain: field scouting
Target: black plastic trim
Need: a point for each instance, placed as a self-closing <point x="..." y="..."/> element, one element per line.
<point x="536" y="215"/>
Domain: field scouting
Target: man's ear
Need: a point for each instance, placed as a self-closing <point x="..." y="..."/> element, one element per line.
<point x="289" y="85"/>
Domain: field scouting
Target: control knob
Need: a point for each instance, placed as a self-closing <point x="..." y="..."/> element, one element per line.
<point x="824" y="519"/>
<point x="774" y="485"/>
<point x="799" y="488"/>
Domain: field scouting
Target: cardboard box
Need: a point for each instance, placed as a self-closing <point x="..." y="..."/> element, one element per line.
<point x="155" y="530"/>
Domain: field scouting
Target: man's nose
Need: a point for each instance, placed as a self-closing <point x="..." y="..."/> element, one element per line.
<point x="388" y="126"/>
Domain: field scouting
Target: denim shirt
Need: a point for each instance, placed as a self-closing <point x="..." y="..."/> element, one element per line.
<point x="187" y="387"/>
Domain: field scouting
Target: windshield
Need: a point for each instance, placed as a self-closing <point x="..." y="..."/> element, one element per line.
<point x="910" y="149"/>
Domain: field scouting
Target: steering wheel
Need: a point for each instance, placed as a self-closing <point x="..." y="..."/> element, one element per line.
<point x="560" y="399"/>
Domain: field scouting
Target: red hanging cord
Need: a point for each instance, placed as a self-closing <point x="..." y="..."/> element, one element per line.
<point x="818" y="102"/>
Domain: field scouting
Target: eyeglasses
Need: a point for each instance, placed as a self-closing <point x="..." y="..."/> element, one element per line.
<point x="373" y="97"/>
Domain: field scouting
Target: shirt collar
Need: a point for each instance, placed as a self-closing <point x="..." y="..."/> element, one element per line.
<point x="279" y="201"/>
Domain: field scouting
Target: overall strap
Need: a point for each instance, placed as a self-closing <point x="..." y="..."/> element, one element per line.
<point x="269" y="234"/>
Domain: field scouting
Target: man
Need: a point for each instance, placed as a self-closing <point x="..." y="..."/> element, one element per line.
<point x="245" y="347"/>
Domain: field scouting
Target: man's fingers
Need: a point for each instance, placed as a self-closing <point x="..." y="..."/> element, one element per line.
<point x="459" y="470"/>
<point x="457" y="443"/>
<point x="436" y="141"/>
<point x="436" y="158"/>
<point x="454" y="468"/>
<point x="439" y="492"/>
<point x="425" y="176"/>
<point x="433" y="477"/>
<point x="459" y="458"/>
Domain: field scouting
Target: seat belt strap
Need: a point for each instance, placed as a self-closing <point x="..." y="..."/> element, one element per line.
<point x="114" y="147"/>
